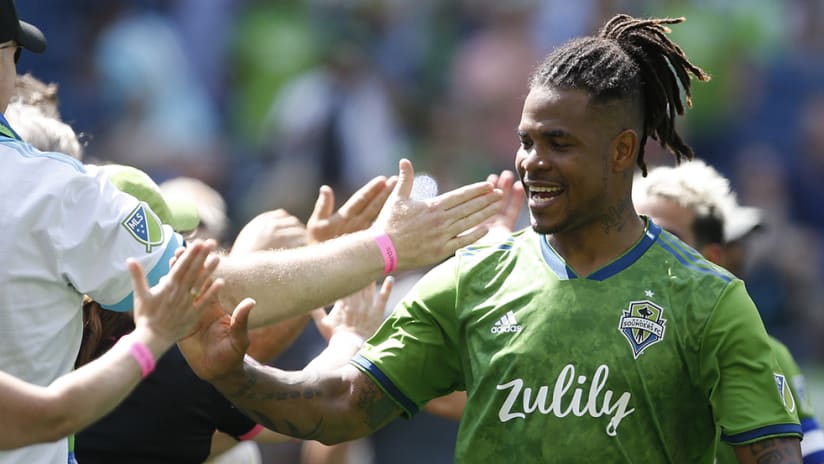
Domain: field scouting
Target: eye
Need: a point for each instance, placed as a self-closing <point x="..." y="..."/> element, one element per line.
<point x="526" y="142"/>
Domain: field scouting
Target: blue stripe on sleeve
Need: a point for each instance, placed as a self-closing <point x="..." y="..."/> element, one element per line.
<point x="160" y="270"/>
<point x="691" y="264"/>
<point x="390" y="388"/>
<point x="778" y="429"/>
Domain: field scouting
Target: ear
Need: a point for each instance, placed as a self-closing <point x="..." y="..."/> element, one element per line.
<point x="624" y="149"/>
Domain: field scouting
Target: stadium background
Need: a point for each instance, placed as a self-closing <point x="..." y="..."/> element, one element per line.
<point x="266" y="100"/>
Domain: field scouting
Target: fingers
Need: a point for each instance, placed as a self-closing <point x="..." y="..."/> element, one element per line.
<point x="367" y="201"/>
<point x="461" y="195"/>
<point x="179" y="251"/>
<point x="469" y="237"/>
<point x="406" y="179"/>
<point x="318" y="315"/>
<point x="204" y="277"/>
<point x="239" y="325"/>
<point x="504" y="182"/>
<point x="515" y="205"/>
<point x="210" y="292"/>
<point x="184" y="262"/>
<point x="324" y="205"/>
<point x="139" y="282"/>
<point x="383" y="295"/>
<point x="189" y="270"/>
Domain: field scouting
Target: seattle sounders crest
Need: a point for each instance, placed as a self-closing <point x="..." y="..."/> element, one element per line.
<point x="144" y="226"/>
<point x="643" y="325"/>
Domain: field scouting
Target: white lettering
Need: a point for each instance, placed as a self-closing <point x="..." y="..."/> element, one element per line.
<point x="507" y="328"/>
<point x="504" y="414"/>
<point x="618" y="410"/>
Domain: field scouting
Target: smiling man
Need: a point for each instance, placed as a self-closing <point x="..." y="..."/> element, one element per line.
<point x="593" y="336"/>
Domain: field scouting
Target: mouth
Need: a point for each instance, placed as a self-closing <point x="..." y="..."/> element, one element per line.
<point x="542" y="195"/>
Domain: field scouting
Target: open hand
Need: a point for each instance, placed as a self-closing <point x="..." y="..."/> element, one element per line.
<point x="426" y="231"/>
<point x="357" y="213"/>
<point x="219" y="343"/>
<point x="360" y="313"/>
<point x="171" y="308"/>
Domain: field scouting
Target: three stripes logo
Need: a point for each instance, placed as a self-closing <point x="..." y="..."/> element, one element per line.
<point x="507" y="324"/>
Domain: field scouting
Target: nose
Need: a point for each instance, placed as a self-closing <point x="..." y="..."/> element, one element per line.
<point x="531" y="160"/>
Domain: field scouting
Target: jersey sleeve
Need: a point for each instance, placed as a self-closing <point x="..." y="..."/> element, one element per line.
<point x="96" y="228"/>
<point x="413" y="355"/>
<point x="748" y="391"/>
<point x="812" y="445"/>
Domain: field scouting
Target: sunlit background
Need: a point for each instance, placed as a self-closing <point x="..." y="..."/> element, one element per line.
<point x="266" y="100"/>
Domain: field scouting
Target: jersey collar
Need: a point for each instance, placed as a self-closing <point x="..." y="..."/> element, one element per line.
<point x="564" y="272"/>
<point x="6" y="130"/>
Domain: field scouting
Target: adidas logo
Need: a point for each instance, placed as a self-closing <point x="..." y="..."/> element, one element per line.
<point x="508" y="323"/>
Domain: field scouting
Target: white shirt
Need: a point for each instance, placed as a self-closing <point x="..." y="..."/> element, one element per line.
<point x="65" y="231"/>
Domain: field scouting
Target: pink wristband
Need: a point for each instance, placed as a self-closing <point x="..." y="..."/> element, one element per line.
<point x="387" y="248"/>
<point x="251" y="433"/>
<point x="143" y="355"/>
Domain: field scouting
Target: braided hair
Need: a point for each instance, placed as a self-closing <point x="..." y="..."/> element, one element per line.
<point x="630" y="59"/>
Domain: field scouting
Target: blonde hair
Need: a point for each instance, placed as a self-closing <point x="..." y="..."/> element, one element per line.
<point x="692" y="184"/>
<point x="44" y="132"/>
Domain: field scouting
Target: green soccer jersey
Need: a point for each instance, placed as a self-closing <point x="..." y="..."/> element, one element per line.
<point x="796" y="382"/>
<point x="637" y="362"/>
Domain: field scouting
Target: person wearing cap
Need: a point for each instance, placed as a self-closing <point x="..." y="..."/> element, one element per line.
<point x="68" y="232"/>
<point x="695" y="203"/>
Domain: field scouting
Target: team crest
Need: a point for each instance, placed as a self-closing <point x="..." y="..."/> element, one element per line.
<point x="144" y="226"/>
<point x="643" y="325"/>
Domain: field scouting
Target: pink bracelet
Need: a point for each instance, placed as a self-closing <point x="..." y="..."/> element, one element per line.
<point x="251" y="433"/>
<point x="387" y="248"/>
<point x="143" y="355"/>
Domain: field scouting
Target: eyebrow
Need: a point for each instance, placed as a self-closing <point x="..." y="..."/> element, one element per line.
<point x="552" y="133"/>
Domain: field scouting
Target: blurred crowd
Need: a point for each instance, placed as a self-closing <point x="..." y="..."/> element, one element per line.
<point x="265" y="100"/>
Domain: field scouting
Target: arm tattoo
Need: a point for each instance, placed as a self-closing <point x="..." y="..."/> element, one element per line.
<point x="775" y="451"/>
<point x="378" y="407"/>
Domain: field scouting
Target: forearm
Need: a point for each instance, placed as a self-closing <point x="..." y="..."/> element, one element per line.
<point x="287" y="283"/>
<point x="782" y="450"/>
<point x="34" y="414"/>
<point x="308" y="405"/>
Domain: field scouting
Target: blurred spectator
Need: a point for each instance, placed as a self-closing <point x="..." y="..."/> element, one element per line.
<point x="160" y="118"/>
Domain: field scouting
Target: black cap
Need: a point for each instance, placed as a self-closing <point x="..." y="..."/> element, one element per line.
<point x="11" y="28"/>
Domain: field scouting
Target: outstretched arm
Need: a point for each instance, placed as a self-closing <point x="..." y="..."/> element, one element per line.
<point x="35" y="414"/>
<point x="328" y="406"/>
<point x="316" y="403"/>
<point x="290" y="282"/>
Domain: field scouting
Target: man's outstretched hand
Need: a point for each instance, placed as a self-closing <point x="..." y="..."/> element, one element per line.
<point x="219" y="343"/>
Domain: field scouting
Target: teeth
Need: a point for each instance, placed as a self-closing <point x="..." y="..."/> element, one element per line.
<point x="537" y="189"/>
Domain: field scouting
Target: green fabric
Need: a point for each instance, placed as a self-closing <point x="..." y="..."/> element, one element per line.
<point x="549" y="373"/>
<point x="796" y="384"/>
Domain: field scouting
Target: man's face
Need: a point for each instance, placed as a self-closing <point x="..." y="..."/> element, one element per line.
<point x="563" y="160"/>
<point x="671" y="216"/>
<point x="8" y="73"/>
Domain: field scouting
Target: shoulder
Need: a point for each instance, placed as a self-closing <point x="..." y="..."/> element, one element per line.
<point x="683" y="262"/>
<point x="24" y="152"/>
